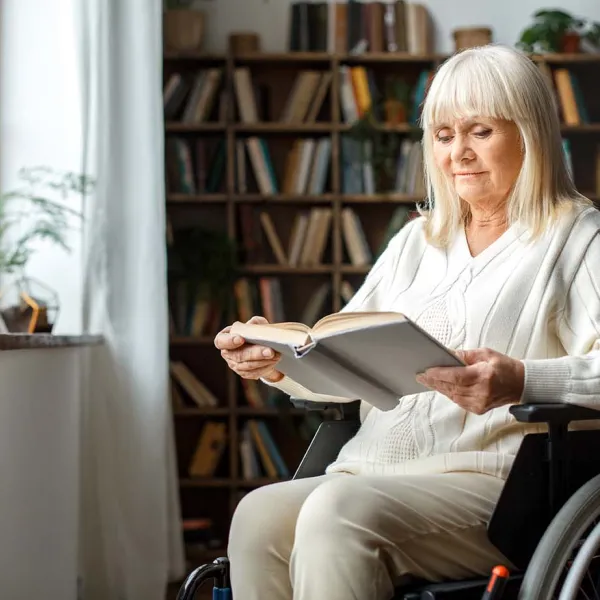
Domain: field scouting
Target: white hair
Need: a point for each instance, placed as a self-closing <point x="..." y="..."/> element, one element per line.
<point x="498" y="82"/>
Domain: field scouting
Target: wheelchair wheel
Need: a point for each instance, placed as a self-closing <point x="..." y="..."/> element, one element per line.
<point x="566" y="563"/>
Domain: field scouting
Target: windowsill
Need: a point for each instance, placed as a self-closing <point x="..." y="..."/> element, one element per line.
<point x="27" y="341"/>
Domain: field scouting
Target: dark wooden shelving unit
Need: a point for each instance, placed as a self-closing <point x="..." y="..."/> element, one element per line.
<point x="217" y="497"/>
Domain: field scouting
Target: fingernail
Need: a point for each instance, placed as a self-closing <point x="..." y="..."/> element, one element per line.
<point x="237" y="339"/>
<point x="267" y="352"/>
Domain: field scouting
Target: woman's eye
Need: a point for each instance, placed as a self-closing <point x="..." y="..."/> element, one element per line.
<point x="482" y="134"/>
<point x="444" y="139"/>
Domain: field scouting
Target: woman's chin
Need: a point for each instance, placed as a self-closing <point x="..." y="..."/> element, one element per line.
<point x="471" y="193"/>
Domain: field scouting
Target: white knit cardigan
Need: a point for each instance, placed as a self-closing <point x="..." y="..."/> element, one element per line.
<point x="535" y="301"/>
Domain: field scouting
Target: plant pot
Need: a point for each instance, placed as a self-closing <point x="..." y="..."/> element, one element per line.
<point x="470" y="37"/>
<point x="34" y="309"/>
<point x="395" y="112"/>
<point x="183" y="30"/>
<point x="570" y="43"/>
<point x="243" y="43"/>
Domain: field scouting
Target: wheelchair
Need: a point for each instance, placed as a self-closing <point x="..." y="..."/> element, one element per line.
<point x="546" y="521"/>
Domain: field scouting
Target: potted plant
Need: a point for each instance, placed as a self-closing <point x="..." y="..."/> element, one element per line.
<point x="202" y="267"/>
<point x="183" y="26"/>
<point x="397" y="100"/>
<point x="558" y="31"/>
<point x="377" y="146"/>
<point x="29" y="214"/>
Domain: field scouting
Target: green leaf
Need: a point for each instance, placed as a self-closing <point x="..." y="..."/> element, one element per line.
<point x="35" y="215"/>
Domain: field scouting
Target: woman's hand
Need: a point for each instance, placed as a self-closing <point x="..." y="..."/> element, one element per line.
<point x="489" y="380"/>
<point x="248" y="360"/>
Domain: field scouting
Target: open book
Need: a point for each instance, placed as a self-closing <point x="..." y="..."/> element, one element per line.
<point x="373" y="356"/>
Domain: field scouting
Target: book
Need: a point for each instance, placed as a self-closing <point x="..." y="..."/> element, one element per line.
<point x="371" y="356"/>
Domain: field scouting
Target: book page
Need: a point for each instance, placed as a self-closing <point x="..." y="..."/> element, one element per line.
<point x="293" y="334"/>
<point x="349" y="321"/>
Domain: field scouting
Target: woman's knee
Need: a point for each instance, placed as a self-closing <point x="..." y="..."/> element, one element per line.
<point x="336" y="508"/>
<point x="261" y="521"/>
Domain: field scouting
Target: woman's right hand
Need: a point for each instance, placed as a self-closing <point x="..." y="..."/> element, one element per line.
<point x="249" y="361"/>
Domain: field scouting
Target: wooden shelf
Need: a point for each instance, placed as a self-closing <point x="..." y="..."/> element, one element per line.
<point x="380" y="198"/>
<point x="209" y="411"/>
<point x="181" y="340"/>
<point x="391" y="198"/>
<point x="355" y="269"/>
<point x="249" y="411"/>
<point x="285" y="270"/>
<point x="278" y="127"/>
<point x="321" y="127"/>
<point x="400" y="128"/>
<point x="284" y="57"/>
<point x="179" y="127"/>
<point x="284" y="199"/>
<point x="178" y="199"/>
<point x="389" y="57"/>
<point x="567" y="58"/>
<point x="367" y="57"/>
<point x="589" y="128"/>
<point x="205" y="482"/>
<point x="201" y="57"/>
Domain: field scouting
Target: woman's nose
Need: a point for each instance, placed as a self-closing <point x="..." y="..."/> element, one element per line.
<point x="460" y="148"/>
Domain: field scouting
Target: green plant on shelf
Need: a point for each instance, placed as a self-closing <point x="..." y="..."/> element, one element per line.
<point x="204" y="263"/>
<point x="380" y="147"/>
<point x="558" y="31"/>
<point x="398" y="100"/>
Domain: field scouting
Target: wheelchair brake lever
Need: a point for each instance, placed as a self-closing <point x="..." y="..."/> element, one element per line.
<point x="495" y="587"/>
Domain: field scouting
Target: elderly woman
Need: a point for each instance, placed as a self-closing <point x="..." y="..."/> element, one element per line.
<point x="503" y="268"/>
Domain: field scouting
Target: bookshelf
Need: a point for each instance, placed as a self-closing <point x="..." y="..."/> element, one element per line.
<point x="228" y="202"/>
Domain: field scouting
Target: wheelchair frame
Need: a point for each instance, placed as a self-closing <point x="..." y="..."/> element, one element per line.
<point x="548" y="469"/>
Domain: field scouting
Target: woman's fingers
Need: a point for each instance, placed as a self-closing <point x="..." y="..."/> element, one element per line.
<point x="257" y="319"/>
<point x="249" y="352"/>
<point x="250" y="361"/>
<point x="225" y="341"/>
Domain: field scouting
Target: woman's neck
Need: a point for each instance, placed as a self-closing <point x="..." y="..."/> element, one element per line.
<point x="483" y="228"/>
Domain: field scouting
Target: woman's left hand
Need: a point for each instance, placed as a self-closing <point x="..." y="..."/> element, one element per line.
<point x="489" y="380"/>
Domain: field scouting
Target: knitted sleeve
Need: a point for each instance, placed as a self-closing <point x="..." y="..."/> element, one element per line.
<point x="369" y="297"/>
<point x="574" y="378"/>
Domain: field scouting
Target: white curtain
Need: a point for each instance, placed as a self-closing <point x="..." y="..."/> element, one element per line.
<point x="130" y="540"/>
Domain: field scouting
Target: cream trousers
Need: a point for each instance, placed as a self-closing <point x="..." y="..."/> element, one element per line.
<point x="352" y="537"/>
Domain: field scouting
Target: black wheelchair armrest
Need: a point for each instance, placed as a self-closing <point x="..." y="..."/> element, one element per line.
<point x="348" y="410"/>
<point x="553" y="413"/>
<point x="310" y="404"/>
<point x="329" y="438"/>
<point x="325" y="446"/>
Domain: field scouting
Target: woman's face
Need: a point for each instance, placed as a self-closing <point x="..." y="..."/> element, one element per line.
<point x="480" y="157"/>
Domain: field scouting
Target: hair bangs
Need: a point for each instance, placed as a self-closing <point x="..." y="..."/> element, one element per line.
<point x="467" y="89"/>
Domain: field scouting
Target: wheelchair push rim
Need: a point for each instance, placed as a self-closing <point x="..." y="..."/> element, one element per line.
<point x="566" y="565"/>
